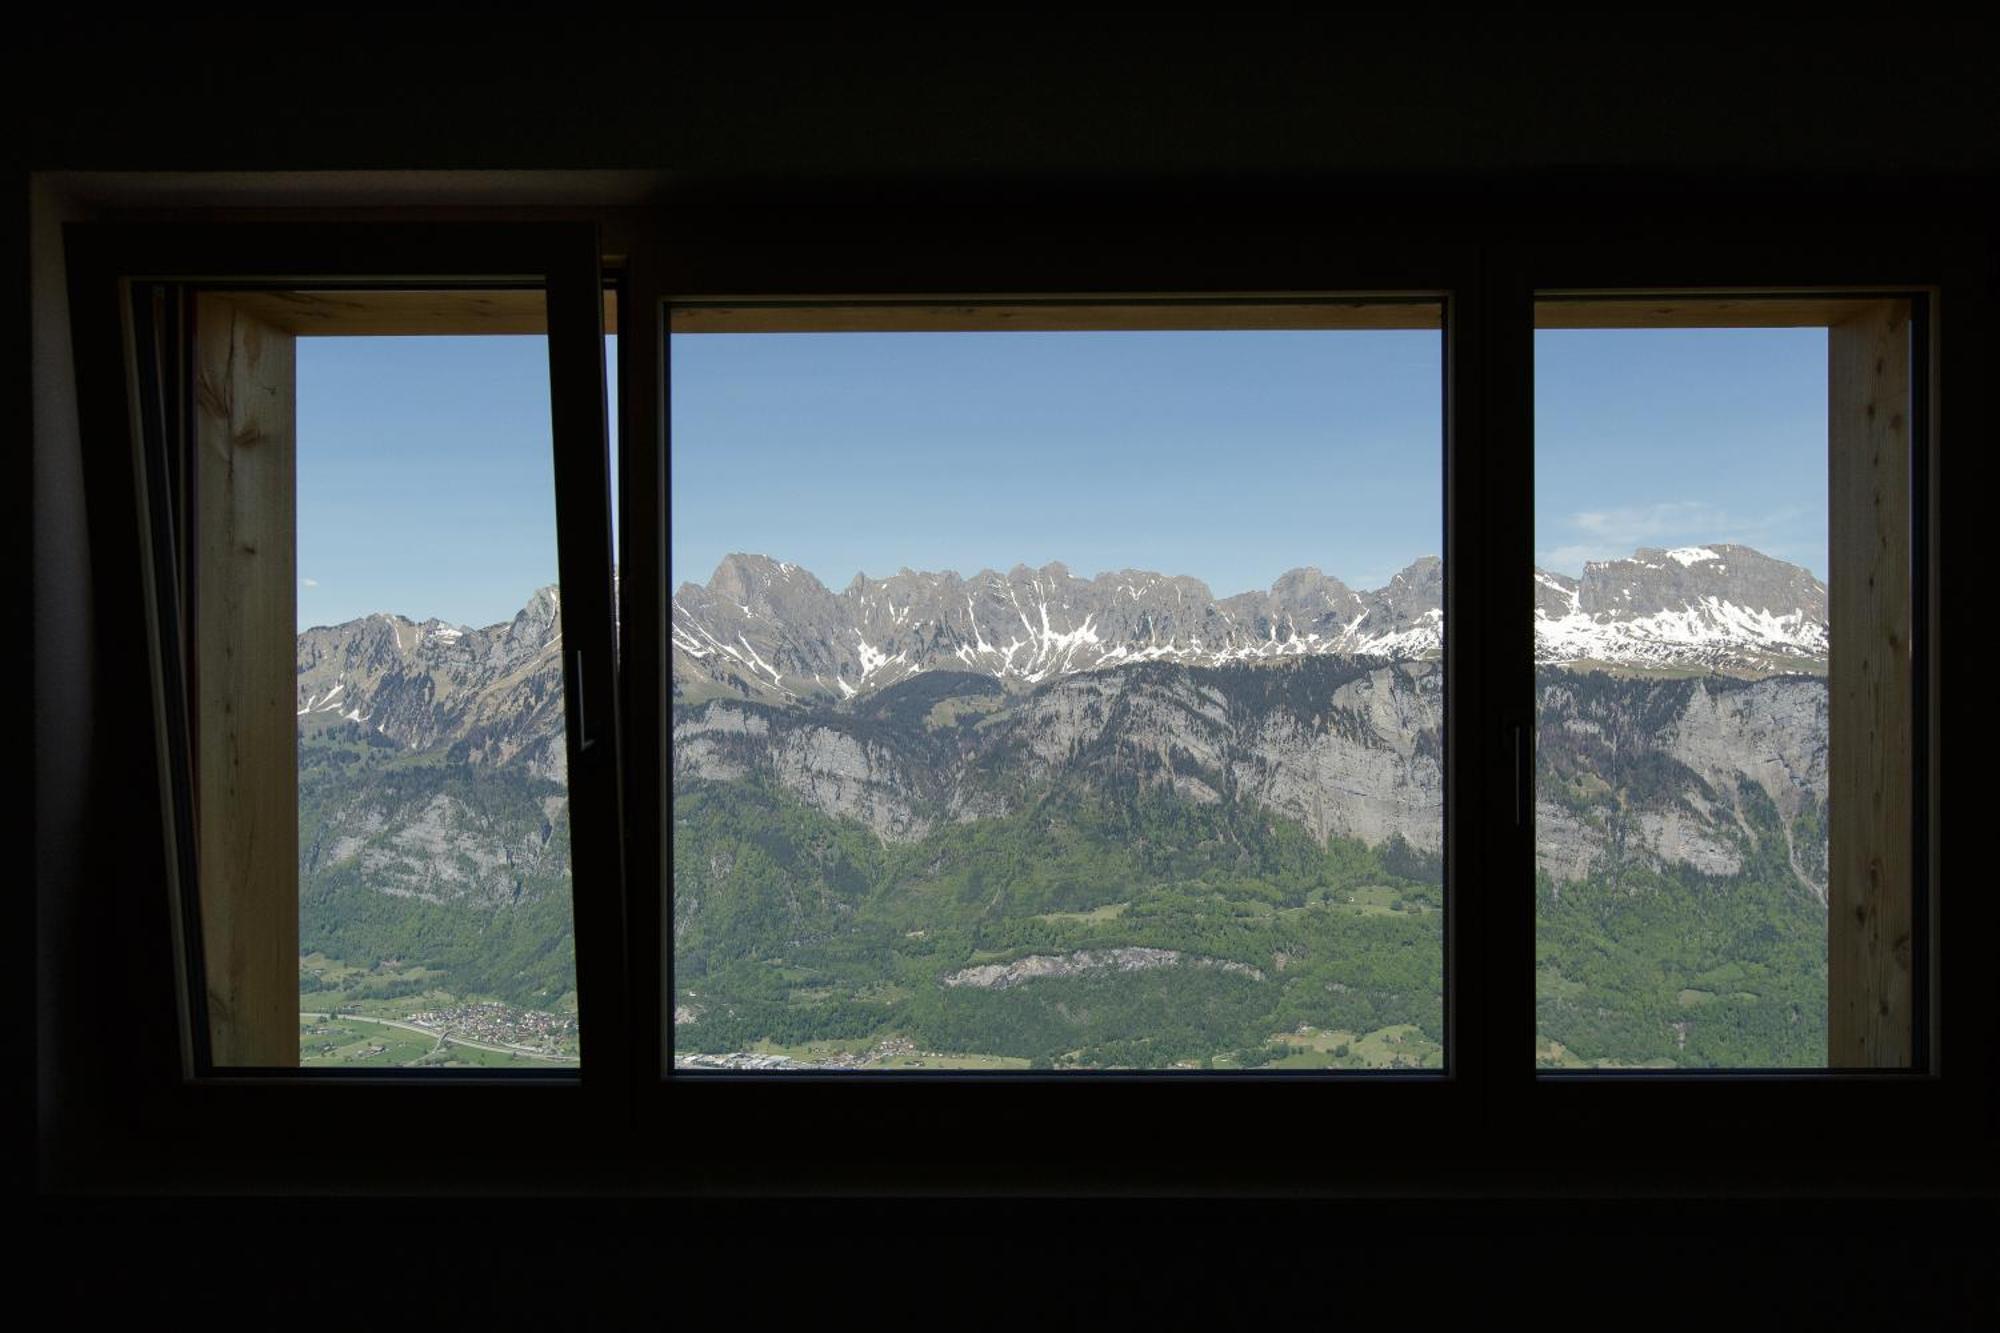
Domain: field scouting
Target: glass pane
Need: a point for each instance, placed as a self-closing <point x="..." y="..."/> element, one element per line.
<point x="1683" y="640"/>
<point x="435" y="926"/>
<point x="1057" y="700"/>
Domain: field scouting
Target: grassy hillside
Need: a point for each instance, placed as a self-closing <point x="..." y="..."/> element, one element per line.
<point x="794" y="928"/>
<point x="371" y="888"/>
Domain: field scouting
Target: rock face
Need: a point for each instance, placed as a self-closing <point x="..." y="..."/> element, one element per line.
<point x="497" y="691"/>
<point x="1695" y="773"/>
<point x="1002" y="976"/>
<point x="911" y="702"/>
<point x="832" y="767"/>
<point x="1344" y="748"/>
<point x="472" y="811"/>
<point x="1691" y="772"/>
<point x="1723" y="608"/>
<point x="442" y="848"/>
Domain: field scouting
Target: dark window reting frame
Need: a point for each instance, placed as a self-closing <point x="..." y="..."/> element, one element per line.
<point x="1055" y="1125"/>
<point x="1708" y="1123"/>
<point x="1493" y="1121"/>
<point x="131" y="437"/>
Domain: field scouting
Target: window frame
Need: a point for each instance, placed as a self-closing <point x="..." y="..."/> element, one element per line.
<point x="1829" y="311"/>
<point x="191" y="1099"/>
<point x="1731" y="1117"/>
<point x="1490" y="330"/>
<point x="732" y="1113"/>
<point x="1492" y="1121"/>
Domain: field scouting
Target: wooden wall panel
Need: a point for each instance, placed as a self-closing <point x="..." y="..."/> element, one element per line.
<point x="1870" y="867"/>
<point x="244" y="674"/>
<point x="1079" y="315"/>
<point x="1698" y="312"/>
<point x="378" y="314"/>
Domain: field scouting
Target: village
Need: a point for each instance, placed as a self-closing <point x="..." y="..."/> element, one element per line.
<point x="502" y="1025"/>
<point x="897" y="1049"/>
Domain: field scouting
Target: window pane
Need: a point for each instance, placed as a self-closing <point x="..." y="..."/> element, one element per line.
<point x="1122" y="748"/>
<point x="1689" y="764"/>
<point x="434" y="903"/>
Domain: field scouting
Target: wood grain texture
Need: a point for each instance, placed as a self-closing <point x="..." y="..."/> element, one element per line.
<point x="1870" y="867"/>
<point x="398" y="313"/>
<point x="1056" y="316"/>
<point x="1559" y="312"/>
<point x="1708" y="312"/>
<point x="244" y="673"/>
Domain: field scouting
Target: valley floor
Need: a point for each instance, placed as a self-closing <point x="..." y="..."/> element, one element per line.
<point x="389" y="1016"/>
<point x="1400" y="1046"/>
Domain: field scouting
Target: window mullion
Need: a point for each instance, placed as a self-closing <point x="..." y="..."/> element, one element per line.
<point x="1490" y="664"/>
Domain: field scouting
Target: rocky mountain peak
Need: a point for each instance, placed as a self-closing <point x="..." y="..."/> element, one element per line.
<point x="758" y="585"/>
<point x="1414" y="596"/>
<point x="741" y="575"/>
<point x="1309" y="592"/>
<point x="1024" y="626"/>
<point x="537" y="622"/>
<point x="1720" y="607"/>
<point x="1426" y="571"/>
<point x="415" y="685"/>
<point x="1654" y="580"/>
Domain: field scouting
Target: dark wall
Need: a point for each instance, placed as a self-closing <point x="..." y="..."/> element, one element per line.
<point x="1105" y="97"/>
<point x="1165" y="116"/>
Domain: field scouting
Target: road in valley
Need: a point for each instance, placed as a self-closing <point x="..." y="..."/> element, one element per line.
<point x="447" y="1037"/>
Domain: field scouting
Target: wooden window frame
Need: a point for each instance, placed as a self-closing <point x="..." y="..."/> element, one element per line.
<point x="1492" y="1118"/>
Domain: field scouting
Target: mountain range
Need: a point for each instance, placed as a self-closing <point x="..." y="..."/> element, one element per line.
<point x="1073" y="662"/>
<point x="853" y="772"/>
<point x="768" y="629"/>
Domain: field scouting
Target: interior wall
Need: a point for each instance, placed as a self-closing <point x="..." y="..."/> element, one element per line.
<point x="64" y="656"/>
<point x="998" y="113"/>
<point x="1088" y="95"/>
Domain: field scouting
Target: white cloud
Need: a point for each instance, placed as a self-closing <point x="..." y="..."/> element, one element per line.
<point x="1614" y="534"/>
<point x="1634" y="527"/>
<point x="1570" y="559"/>
<point x="310" y="583"/>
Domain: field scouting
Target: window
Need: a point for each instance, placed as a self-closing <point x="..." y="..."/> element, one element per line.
<point x="1728" y="755"/>
<point x="377" y="812"/>
<point x="1480" y="924"/>
<point x="1176" y="805"/>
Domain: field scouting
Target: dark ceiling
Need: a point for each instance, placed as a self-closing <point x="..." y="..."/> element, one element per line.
<point x="1005" y="97"/>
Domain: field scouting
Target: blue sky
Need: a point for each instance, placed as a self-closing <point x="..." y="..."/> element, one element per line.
<point x="1676" y="437"/>
<point x="1229" y="456"/>
<point x="1232" y="457"/>
<point x="426" y="482"/>
<point x="425" y="486"/>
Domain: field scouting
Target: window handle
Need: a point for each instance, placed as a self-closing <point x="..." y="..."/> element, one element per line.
<point x="1521" y="776"/>
<point x="584" y="737"/>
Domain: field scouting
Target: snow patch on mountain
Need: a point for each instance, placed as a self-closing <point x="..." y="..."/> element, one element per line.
<point x="765" y="628"/>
